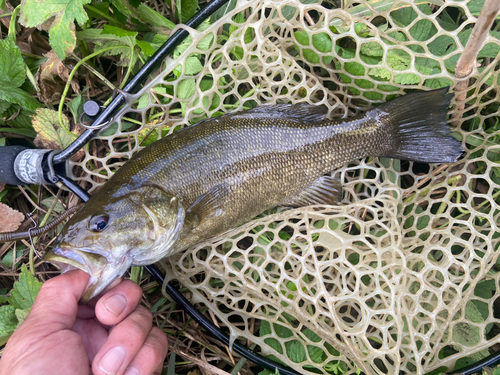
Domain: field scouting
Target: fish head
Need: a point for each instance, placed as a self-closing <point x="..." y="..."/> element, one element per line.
<point x="107" y="236"/>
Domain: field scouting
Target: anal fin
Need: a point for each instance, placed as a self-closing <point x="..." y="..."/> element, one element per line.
<point x="325" y="190"/>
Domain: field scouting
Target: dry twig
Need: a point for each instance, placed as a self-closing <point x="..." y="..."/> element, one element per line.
<point x="197" y="361"/>
<point x="467" y="62"/>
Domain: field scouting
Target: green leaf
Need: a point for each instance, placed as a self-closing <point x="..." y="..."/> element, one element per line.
<point x="185" y="9"/>
<point x="490" y="50"/>
<point x="302" y="37"/>
<point x="322" y="42"/>
<point x="154" y="18"/>
<point x="63" y="14"/>
<point x="485" y="289"/>
<point x="289" y="11"/>
<point x="186" y="88"/>
<point x="123" y="44"/>
<point x="423" y="30"/>
<point x="398" y="59"/>
<point x="25" y="290"/>
<point x="265" y="328"/>
<point x="98" y="7"/>
<point x="17" y="96"/>
<point x="12" y="76"/>
<point x="442" y="45"/>
<point x="192" y="66"/>
<point x="404" y="16"/>
<point x="27" y="132"/>
<point x="3" y="297"/>
<point x="239" y="18"/>
<point x="475" y="7"/>
<point x="380" y="72"/>
<point x="407" y="79"/>
<point x="76" y="107"/>
<point x="108" y="29"/>
<point x="21" y="315"/>
<point x="372" y="49"/>
<point x="114" y="127"/>
<point x="226" y="8"/>
<point x="355" y="68"/>
<point x="437" y="83"/>
<point x="465" y="333"/>
<point x="315" y="353"/>
<point x="4" y="105"/>
<point x="12" y="69"/>
<point x="206" y="42"/>
<point x="145" y="47"/>
<point x="8" y="258"/>
<point x="295" y="351"/>
<point x="310" y="55"/>
<point x="50" y="132"/>
<point x="8" y="322"/>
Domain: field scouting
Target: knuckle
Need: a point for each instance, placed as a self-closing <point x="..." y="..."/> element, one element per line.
<point x="130" y="287"/>
<point x="156" y="346"/>
<point x="139" y="322"/>
<point x="143" y="315"/>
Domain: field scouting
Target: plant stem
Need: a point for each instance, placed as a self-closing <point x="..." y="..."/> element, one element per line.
<point x="72" y="74"/>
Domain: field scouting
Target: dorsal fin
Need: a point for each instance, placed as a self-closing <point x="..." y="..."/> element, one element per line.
<point x="325" y="190"/>
<point x="302" y="112"/>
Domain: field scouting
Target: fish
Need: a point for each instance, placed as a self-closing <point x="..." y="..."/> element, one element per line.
<point x="220" y="173"/>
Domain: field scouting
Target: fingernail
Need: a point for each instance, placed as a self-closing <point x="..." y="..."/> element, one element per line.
<point x="116" y="303"/>
<point x="112" y="360"/>
<point x="131" y="371"/>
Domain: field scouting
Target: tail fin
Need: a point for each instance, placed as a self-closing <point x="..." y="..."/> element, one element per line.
<point x="419" y="130"/>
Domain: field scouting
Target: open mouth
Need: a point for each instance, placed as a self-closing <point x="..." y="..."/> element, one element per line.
<point x="70" y="259"/>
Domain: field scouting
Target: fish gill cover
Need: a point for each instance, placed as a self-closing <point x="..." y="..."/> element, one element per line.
<point x="403" y="276"/>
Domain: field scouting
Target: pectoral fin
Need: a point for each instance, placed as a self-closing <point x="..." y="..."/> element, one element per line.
<point x="325" y="190"/>
<point x="207" y="206"/>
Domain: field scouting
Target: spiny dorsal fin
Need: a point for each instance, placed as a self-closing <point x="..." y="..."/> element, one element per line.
<point x="302" y="112"/>
<point x="325" y="190"/>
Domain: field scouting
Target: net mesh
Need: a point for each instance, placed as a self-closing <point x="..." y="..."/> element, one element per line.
<point x="388" y="281"/>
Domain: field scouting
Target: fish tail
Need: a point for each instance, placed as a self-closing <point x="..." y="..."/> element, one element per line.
<point x="418" y="128"/>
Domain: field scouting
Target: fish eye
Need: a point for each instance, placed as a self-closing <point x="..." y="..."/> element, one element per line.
<point x="98" y="223"/>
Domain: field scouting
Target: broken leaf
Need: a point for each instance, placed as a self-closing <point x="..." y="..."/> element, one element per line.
<point x="52" y="77"/>
<point x="50" y="133"/>
<point x="10" y="219"/>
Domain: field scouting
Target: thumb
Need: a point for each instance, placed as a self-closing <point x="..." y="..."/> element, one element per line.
<point x="56" y="305"/>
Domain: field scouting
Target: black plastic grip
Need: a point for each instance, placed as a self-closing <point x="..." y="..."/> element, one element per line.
<point x="8" y="155"/>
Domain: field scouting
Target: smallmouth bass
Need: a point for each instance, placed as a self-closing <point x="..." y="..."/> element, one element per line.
<point x="221" y="172"/>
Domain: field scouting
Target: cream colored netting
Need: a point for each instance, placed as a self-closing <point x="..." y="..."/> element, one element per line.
<point x="386" y="282"/>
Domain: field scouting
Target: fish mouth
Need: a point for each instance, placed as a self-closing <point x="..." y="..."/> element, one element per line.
<point x="102" y="272"/>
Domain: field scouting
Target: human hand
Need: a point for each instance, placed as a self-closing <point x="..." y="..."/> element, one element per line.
<point x="59" y="337"/>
